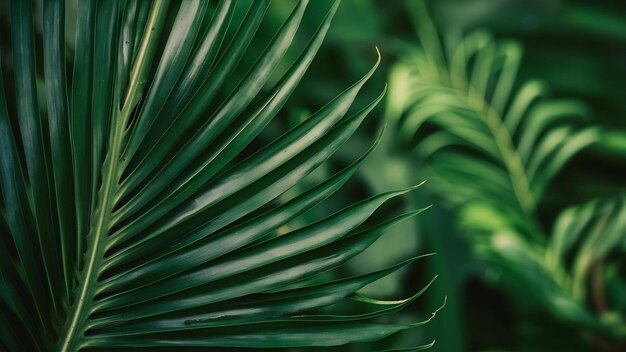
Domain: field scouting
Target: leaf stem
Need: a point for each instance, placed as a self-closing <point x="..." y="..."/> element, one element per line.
<point x="80" y="311"/>
<point x="510" y="158"/>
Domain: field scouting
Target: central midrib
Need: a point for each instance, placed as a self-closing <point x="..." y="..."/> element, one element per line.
<point x="75" y="326"/>
<point x="84" y="297"/>
<point x="510" y="158"/>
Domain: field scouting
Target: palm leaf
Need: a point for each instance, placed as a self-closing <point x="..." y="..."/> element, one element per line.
<point x="476" y="127"/>
<point x="129" y="216"/>
<point x="491" y="150"/>
<point x="579" y="264"/>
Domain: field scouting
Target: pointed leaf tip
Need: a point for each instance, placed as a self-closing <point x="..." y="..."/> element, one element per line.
<point x="409" y="189"/>
<point x="373" y="69"/>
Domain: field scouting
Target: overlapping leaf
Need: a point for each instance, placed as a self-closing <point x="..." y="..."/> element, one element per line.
<point x="508" y="143"/>
<point x="492" y="146"/>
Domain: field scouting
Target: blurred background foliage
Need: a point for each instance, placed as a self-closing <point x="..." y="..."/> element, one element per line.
<point x="550" y="277"/>
<point x="546" y="274"/>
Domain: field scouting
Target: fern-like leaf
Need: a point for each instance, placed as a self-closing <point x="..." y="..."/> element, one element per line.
<point x="491" y="146"/>
<point x="510" y="144"/>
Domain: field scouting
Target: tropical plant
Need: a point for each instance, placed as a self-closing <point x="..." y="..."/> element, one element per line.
<point x="133" y="214"/>
<point x="490" y="148"/>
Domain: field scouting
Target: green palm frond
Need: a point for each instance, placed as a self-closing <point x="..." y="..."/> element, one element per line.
<point x="509" y="143"/>
<point x="579" y="264"/>
<point x="586" y="236"/>
<point x="491" y="147"/>
<point x="130" y="217"/>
